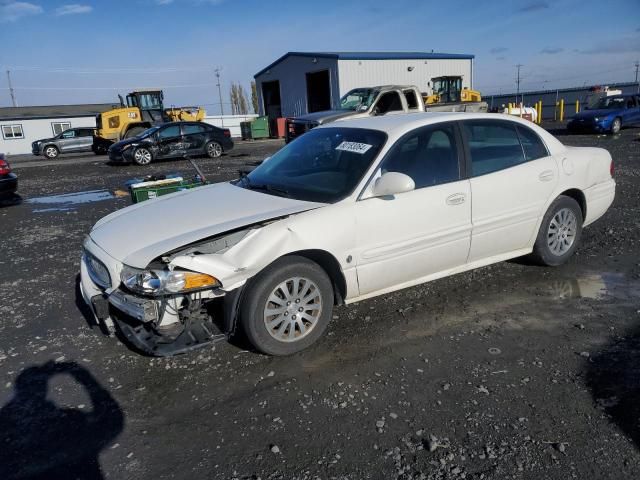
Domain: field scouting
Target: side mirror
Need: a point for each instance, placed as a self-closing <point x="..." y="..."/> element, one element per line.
<point x="392" y="183"/>
<point x="363" y="108"/>
<point x="375" y="111"/>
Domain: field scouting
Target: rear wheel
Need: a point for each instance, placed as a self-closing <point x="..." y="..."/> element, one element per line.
<point x="559" y="232"/>
<point x="51" y="151"/>
<point x="616" y="125"/>
<point x="287" y="306"/>
<point x="213" y="149"/>
<point x="142" y="156"/>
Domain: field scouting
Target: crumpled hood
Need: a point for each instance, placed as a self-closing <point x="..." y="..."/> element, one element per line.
<point x="137" y="234"/>
<point x="326" y="116"/>
<point x="588" y="114"/>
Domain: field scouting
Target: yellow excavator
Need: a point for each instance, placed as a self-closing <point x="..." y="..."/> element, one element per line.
<point x="142" y="109"/>
<point x="450" y="90"/>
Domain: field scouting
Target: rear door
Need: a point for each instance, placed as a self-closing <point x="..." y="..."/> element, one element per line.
<point x="170" y="142"/>
<point x="512" y="179"/>
<point x="194" y="136"/>
<point x="84" y="137"/>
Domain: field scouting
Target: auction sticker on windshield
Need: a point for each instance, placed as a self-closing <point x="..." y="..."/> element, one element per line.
<point x="354" y="147"/>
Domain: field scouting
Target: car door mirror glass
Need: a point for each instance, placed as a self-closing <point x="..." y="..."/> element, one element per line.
<point x="393" y="183"/>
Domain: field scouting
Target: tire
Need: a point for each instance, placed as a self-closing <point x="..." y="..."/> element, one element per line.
<point x="50" y="151"/>
<point x="616" y="125"/>
<point x="142" y="156"/>
<point x="134" y="132"/>
<point x="266" y="292"/>
<point x="559" y="233"/>
<point x="213" y="149"/>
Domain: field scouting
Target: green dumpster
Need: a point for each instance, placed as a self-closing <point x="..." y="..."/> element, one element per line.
<point x="147" y="190"/>
<point x="260" y="128"/>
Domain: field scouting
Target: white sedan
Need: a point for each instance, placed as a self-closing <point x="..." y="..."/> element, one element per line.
<point x="343" y="213"/>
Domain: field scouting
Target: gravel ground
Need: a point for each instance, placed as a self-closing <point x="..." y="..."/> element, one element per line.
<point x="510" y="371"/>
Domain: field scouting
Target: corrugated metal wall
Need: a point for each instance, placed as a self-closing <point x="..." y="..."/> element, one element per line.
<point x="549" y="97"/>
<point x="370" y="73"/>
<point x="293" y="83"/>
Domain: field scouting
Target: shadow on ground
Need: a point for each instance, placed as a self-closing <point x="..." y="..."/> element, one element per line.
<point x="40" y="440"/>
<point x="614" y="380"/>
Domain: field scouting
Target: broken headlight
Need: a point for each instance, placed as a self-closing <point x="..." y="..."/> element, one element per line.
<point x="165" y="282"/>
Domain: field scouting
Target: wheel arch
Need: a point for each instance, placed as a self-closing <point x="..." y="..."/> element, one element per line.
<point x="331" y="266"/>
<point x="578" y="196"/>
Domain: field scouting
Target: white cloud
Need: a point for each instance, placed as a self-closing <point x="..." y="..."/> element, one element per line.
<point x="13" y="11"/>
<point x="73" y="9"/>
<point x="197" y="2"/>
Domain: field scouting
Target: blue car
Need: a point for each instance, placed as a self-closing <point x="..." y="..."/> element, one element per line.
<point x="610" y="114"/>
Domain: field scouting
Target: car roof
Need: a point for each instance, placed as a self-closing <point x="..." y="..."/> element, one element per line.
<point x="397" y="125"/>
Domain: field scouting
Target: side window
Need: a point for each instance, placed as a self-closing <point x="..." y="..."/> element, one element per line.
<point x="531" y="144"/>
<point x="493" y="145"/>
<point x="85" y="132"/>
<point x="170" y="132"/>
<point x="412" y="101"/>
<point x="190" y="129"/>
<point x="69" y="134"/>
<point x="389" y="102"/>
<point x="428" y="155"/>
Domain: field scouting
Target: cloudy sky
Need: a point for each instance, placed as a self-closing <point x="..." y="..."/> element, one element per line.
<point x="60" y="52"/>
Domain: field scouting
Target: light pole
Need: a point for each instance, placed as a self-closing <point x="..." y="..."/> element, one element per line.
<point x="518" y="66"/>
<point x="217" y="70"/>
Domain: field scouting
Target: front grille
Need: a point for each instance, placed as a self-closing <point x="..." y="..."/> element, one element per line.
<point x="97" y="270"/>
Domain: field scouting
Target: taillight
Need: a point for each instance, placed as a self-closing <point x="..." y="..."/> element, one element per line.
<point x="611" y="168"/>
<point x="226" y="132"/>
<point x="5" y="169"/>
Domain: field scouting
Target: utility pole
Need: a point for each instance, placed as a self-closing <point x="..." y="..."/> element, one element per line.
<point x="518" y="66"/>
<point x="217" y="70"/>
<point x="637" y="65"/>
<point x="13" y="97"/>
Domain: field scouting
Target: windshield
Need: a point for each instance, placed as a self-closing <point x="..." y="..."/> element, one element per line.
<point x="610" y="103"/>
<point x="323" y="165"/>
<point x="147" y="132"/>
<point x="357" y="98"/>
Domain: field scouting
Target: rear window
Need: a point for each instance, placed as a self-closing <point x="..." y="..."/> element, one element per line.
<point x="493" y="146"/>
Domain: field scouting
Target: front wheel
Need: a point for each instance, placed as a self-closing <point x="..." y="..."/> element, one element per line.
<point x="214" y="149"/>
<point x="287" y="306"/>
<point x="142" y="156"/>
<point x="559" y="232"/>
<point x="616" y="125"/>
<point x="50" y="151"/>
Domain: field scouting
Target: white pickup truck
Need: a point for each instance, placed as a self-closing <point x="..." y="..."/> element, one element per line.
<point x="374" y="101"/>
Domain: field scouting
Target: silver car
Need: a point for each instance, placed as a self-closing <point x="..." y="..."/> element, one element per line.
<point x="70" y="141"/>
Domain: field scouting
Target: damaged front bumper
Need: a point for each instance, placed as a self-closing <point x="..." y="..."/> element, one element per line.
<point x="139" y="319"/>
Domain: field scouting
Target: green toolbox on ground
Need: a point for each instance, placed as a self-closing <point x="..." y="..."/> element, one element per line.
<point x="260" y="128"/>
<point x="147" y="190"/>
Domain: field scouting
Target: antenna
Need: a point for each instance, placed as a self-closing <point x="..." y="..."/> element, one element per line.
<point x="13" y="97"/>
<point x="217" y="70"/>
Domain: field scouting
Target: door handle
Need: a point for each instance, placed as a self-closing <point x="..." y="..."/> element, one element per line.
<point x="456" y="199"/>
<point x="546" y="176"/>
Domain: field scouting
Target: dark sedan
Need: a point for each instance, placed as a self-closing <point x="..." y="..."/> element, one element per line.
<point x="8" y="179"/>
<point x="172" y="140"/>
<point x="610" y="114"/>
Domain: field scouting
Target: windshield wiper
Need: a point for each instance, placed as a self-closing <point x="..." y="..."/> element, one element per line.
<point x="265" y="187"/>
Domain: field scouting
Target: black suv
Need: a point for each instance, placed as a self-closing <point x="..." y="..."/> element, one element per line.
<point x="174" y="139"/>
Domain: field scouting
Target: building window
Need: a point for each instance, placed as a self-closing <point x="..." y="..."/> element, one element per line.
<point x="12" y="132"/>
<point x="59" y="127"/>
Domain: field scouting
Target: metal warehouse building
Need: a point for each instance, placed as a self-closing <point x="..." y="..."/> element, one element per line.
<point x="304" y="82"/>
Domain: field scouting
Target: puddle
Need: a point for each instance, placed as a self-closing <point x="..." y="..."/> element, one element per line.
<point x="68" y="201"/>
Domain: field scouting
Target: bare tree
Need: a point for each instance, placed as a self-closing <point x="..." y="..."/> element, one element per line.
<point x="254" y="96"/>
<point x="242" y="100"/>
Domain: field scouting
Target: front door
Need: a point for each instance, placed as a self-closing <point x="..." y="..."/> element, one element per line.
<point x="68" y="141"/>
<point x="170" y="142"/>
<point x="412" y="235"/>
<point x="84" y="138"/>
<point x="512" y="178"/>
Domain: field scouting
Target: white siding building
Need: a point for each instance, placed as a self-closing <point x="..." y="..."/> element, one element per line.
<point x="19" y="126"/>
<point x="302" y="82"/>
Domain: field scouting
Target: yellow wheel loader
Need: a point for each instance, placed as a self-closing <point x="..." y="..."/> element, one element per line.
<point x="449" y="95"/>
<point x="142" y="109"/>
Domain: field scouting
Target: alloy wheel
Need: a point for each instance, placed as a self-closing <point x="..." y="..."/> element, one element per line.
<point x="142" y="156"/>
<point x="214" y="150"/>
<point x="562" y="231"/>
<point x="293" y="309"/>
